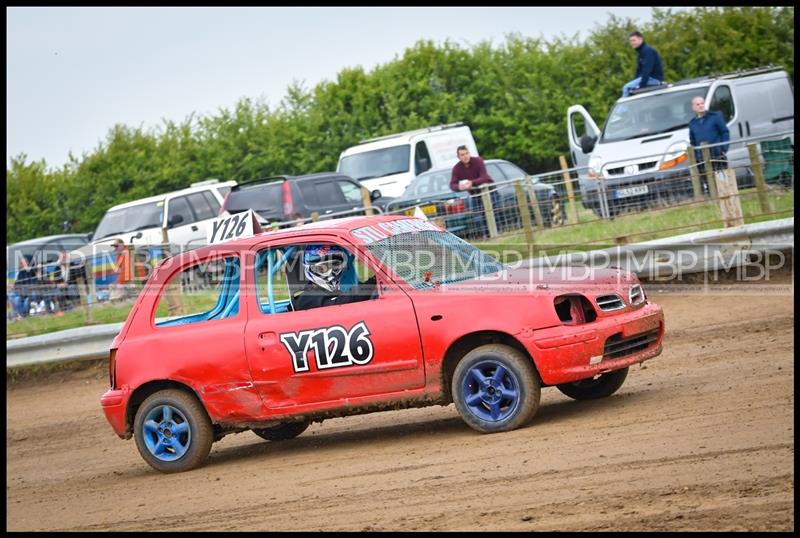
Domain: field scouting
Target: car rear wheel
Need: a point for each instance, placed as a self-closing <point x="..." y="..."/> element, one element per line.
<point x="595" y="387"/>
<point x="496" y="388"/>
<point x="172" y="431"/>
<point x="282" y="432"/>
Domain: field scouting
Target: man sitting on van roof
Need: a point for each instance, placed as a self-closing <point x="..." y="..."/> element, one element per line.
<point x="649" y="71"/>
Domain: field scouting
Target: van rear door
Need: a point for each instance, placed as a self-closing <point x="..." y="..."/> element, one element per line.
<point x="580" y="124"/>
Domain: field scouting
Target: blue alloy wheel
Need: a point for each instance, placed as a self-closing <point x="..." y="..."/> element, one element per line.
<point x="167" y="433"/>
<point x="491" y="391"/>
<point x="496" y="388"/>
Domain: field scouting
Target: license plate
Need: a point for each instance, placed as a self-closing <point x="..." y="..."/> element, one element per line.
<point x="429" y="210"/>
<point x="630" y="191"/>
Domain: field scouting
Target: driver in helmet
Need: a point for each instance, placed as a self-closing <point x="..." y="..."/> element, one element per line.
<point x="325" y="268"/>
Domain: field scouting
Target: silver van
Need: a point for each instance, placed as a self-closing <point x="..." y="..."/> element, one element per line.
<point x="640" y="153"/>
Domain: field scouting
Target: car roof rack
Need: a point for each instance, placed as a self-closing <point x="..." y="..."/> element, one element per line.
<point x="417" y="131"/>
<point x="717" y="76"/>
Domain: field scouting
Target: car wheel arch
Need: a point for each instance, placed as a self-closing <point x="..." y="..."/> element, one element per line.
<point x="143" y="391"/>
<point x="466" y="343"/>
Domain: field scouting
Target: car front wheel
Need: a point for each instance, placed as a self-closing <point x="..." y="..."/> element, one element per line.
<point x="495" y="389"/>
<point x="172" y="431"/>
<point x="595" y="387"/>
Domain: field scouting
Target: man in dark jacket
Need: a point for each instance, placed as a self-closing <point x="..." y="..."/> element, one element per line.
<point x="468" y="174"/>
<point x="649" y="70"/>
<point x="706" y="128"/>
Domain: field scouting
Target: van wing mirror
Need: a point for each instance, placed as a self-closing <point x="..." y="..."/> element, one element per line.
<point x="587" y="143"/>
<point x="374" y="195"/>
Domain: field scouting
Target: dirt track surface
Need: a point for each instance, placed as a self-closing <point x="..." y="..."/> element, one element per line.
<point x="701" y="438"/>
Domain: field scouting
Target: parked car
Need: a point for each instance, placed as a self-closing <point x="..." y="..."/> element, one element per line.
<point x="431" y="192"/>
<point x="436" y="321"/>
<point x="43" y="252"/>
<point x="288" y="198"/>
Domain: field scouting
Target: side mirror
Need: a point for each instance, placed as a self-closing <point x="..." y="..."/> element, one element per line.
<point x="374" y="195"/>
<point x="174" y="220"/>
<point x="587" y="143"/>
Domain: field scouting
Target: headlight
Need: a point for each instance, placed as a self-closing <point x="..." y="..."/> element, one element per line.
<point x="595" y="164"/>
<point x="674" y="155"/>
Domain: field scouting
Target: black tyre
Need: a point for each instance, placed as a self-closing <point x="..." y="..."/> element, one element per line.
<point x="593" y="388"/>
<point x="172" y="431"/>
<point x="282" y="432"/>
<point x="496" y="388"/>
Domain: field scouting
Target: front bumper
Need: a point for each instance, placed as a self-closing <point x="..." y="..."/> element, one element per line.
<point x="659" y="183"/>
<point x="114" y="404"/>
<point x="569" y="353"/>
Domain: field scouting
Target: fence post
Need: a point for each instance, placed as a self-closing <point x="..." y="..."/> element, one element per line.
<point x="696" y="187"/>
<point x="761" y="185"/>
<point x="524" y="211"/>
<point x="537" y="211"/>
<point x="729" y="204"/>
<point x="488" y="210"/>
<point x="568" y="185"/>
<point x="709" y="172"/>
<point x="174" y="301"/>
<point x="366" y="197"/>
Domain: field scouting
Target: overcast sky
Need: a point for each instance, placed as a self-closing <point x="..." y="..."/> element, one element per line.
<point x="72" y="73"/>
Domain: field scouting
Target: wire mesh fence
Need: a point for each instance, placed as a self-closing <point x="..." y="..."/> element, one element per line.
<point x="571" y="209"/>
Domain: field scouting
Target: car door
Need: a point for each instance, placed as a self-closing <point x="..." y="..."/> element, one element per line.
<point x="331" y="198"/>
<point x="311" y="359"/>
<point x="580" y="124"/>
<point x="182" y="227"/>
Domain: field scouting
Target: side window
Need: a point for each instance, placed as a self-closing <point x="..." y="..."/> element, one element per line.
<point x="223" y="191"/>
<point x="723" y="102"/>
<point x="511" y="171"/>
<point x="337" y="277"/>
<point x="494" y="172"/>
<point x="200" y="206"/>
<point x="212" y="201"/>
<point x="308" y="192"/>
<point x="179" y="207"/>
<point x="208" y="290"/>
<point x="351" y="191"/>
<point x="422" y="160"/>
<point x="329" y="193"/>
<point x="578" y="124"/>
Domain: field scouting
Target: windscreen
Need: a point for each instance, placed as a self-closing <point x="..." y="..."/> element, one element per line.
<point x="651" y="115"/>
<point x="377" y="163"/>
<point x="428" y="184"/>
<point x="426" y="259"/>
<point x="266" y="199"/>
<point x="130" y="219"/>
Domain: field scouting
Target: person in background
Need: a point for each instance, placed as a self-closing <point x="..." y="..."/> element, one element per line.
<point x="122" y="264"/>
<point x="65" y="279"/>
<point x="708" y="127"/>
<point x="24" y="287"/>
<point x="649" y="68"/>
<point x="468" y="174"/>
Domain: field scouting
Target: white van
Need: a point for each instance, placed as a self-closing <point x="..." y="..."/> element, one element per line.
<point x="641" y="149"/>
<point x="186" y="213"/>
<point x="389" y="163"/>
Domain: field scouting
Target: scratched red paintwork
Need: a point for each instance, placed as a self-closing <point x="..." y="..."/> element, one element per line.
<point x="243" y="375"/>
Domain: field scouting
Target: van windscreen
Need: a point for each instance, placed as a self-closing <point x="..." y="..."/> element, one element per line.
<point x="653" y="114"/>
<point x="130" y="219"/>
<point x="377" y="163"/>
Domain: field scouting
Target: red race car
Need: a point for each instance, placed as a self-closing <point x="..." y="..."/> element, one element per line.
<point x="357" y="315"/>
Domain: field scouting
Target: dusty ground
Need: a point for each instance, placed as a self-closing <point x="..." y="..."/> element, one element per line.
<point x="701" y="438"/>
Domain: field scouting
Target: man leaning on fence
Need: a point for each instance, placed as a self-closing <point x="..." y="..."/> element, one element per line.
<point x="468" y="174"/>
<point x="708" y="127"/>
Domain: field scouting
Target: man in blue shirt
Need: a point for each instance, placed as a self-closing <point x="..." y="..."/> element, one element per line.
<point x="706" y="128"/>
<point x="649" y="71"/>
